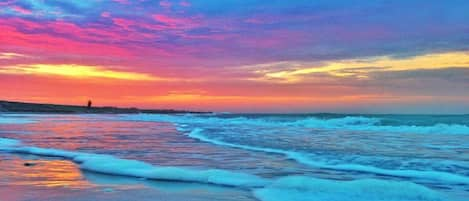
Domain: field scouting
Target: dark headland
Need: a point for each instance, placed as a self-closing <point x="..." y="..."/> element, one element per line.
<point x="10" y="106"/>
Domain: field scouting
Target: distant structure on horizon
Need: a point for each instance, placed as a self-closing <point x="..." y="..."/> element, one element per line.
<point x="89" y="104"/>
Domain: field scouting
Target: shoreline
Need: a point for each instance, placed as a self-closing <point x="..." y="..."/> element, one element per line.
<point x="44" y="108"/>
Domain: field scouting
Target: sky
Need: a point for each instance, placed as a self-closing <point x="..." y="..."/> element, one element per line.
<point x="350" y="56"/>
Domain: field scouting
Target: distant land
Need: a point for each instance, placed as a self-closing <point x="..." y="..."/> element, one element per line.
<point x="10" y="106"/>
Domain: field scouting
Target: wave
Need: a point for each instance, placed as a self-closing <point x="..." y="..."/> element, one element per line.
<point x="14" y="120"/>
<point x="292" y="188"/>
<point x="6" y="142"/>
<point x="357" y="123"/>
<point x="303" y="159"/>
<point x="107" y="164"/>
<point x="348" y="123"/>
<point x="299" y="188"/>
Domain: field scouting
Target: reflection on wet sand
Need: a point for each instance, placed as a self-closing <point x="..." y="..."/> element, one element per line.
<point x="28" y="178"/>
<point x="43" y="173"/>
<point x="152" y="142"/>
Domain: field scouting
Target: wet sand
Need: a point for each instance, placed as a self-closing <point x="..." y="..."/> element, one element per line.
<point x="46" y="178"/>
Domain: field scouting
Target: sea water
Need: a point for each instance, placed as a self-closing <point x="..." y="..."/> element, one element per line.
<point x="268" y="157"/>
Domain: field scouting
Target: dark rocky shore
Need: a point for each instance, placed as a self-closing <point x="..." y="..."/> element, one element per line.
<point x="9" y="106"/>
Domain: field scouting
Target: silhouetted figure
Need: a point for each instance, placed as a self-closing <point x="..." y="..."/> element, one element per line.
<point x="89" y="104"/>
<point x="27" y="164"/>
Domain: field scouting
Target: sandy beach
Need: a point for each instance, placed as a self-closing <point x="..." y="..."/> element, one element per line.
<point x="199" y="157"/>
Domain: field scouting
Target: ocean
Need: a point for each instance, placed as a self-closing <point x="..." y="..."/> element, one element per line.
<point x="245" y="157"/>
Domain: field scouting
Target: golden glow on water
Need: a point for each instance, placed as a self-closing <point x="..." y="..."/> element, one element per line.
<point x="45" y="173"/>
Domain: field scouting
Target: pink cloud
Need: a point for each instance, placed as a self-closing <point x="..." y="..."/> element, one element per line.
<point x="121" y="39"/>
<point x="213" y="36"/>
<point x="167" y="20"/>
<point x="272" y="39"/>
<point x="174" y="22"/>
<point x="121" y="1"/>
<point x="185" y="4"/>
<point x="8" y="2"/>
<point x="44" y="42"/>
<point x="105" y="14"/>
<point x="123" y="32"/>
<point x="21" y="10"/>
<point x="131" y="26"/>
<point x="124" y="23"/>
<point x="10" y="36"/>
<point x="25" y="24"/>
<point x="165" y="4"/>
<point x="255" y="21"/>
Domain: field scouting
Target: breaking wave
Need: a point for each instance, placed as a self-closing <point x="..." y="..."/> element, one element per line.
<point x="107" y="164"/>
<point x="303" y="159"/>
<point x="299" y="188"/>
<point x="292" y="188"/>
<point x="348" y="123"/>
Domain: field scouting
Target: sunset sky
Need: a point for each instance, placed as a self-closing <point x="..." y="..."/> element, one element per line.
<point x="239" y="55"/>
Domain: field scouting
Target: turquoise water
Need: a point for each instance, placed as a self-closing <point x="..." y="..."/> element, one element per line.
<point x="251" y="157"/>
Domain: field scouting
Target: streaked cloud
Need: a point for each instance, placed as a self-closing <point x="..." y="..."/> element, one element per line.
<point x="11" y="55"/>
<point x="21" y="10"/>
<point x="360" y="68"/>
<point x="76" y="71"/>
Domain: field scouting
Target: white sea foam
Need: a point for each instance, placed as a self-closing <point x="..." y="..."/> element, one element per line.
<point x="357" y="123"/>
<point x="351" y="123"/>
<point x="7" y="142"/>
<point x="293" y="188"/>
<point x="303" y="159"/>
<point x="297" y="188"/>
<point x="14" y="120"/>
<point x="107" y="164"/>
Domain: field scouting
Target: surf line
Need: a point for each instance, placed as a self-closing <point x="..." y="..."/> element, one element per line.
<point x="301" y="158"/>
